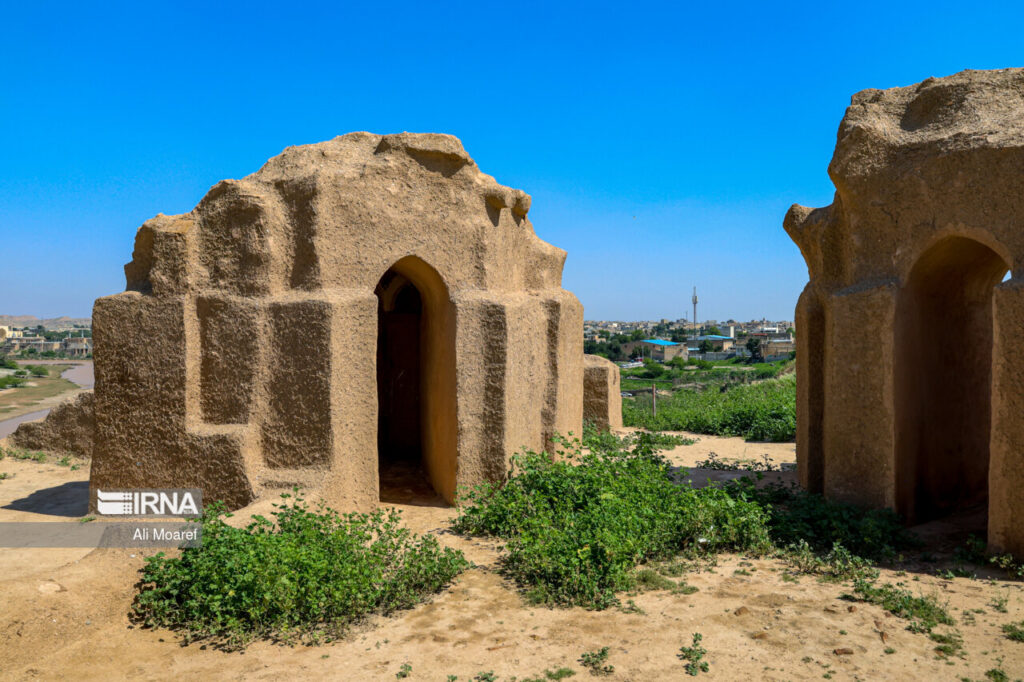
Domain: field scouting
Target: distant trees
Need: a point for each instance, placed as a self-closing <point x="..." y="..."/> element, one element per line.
<point x="754" y="346"/>
<point x="11" y="382"/>
<point x="652" y="370"/>
<point x="706" y="346"/>
<point x="611" y="349"/>
<point x="714" y="331"/>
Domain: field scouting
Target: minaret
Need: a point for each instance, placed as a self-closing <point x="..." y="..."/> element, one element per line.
<point x="695" y="313"/>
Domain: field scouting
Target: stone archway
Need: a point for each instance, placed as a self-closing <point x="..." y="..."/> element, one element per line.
<point x="943" y="380"/>
<point x="416" y="430"/>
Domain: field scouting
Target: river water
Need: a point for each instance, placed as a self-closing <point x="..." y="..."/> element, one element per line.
<point x="81" y="374"/>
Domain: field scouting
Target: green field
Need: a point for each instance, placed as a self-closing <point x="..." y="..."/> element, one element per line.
<point x="763" y="410"/>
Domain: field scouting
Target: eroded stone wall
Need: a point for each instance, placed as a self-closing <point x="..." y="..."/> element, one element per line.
<point x="908" y="385"/>
<point x="602" y="392"/>
<point x="242" y="358"/>
<point x="67" y="429"/>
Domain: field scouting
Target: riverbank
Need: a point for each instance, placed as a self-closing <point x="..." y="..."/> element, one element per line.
<point x="34" y="401"/>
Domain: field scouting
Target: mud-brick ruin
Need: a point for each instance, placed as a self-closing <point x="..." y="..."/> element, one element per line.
<point x="910" y="370"/>
<point x="353" y="306"/>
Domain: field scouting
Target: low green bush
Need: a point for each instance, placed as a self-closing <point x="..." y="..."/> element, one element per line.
<point x="12" y="382"/>
<point x="306" y="575"/>
<point x="577" y="525"/>
<point x="1014" y="631"/>
<point x="838" y="565"/>
<point x="596" y="440"/>
<point x="797" y="516"/>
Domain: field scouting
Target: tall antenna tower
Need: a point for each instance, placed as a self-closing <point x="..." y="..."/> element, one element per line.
<point x="695" y="312"/>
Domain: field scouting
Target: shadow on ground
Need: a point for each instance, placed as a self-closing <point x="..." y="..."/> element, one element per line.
<point x="69" y="499"/>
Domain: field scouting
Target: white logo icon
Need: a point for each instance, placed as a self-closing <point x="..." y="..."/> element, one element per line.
<point x="144" y="503"/>
<point x="114" y="503"/>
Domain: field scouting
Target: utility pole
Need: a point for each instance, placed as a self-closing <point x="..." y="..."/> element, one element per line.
<point x="695" y="313"/>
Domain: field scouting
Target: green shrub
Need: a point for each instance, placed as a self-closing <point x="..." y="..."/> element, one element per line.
<point x="836" y="566"/>
<point x="924" y="612"/>
<point x="797" y="516"/>
<point x="762" y="411"/>
<point x="1010" y="564"/>
<point x="594" y="661"/>
<point x="11" y="382"/>
<point x="596" y="440"/>
<point x="652" y="370"/>
<point x="306" y="575"/>
<point x="578" y="525"/>
<point x="1014" y="631"/>
<point x="694" y="656"/>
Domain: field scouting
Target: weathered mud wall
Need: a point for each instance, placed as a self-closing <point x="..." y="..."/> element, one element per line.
<point x="602" y="392"/>
<point x="68" y="428"/>
<point x="908" y="385"/>
<point x="241" y="359"/>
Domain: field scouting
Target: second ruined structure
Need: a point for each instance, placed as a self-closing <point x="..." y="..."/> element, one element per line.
<point x="910" y="379"/>
<point x="602" y="392"/>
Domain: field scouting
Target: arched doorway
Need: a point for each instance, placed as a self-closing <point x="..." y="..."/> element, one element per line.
<point x="944" y="379"/>
<point x="416" y="430"/>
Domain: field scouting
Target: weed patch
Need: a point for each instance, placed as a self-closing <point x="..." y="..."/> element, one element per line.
<point x="924" y="612"/>
<point x="837" y="566"/>
<point x="949" y="644"/>
<point x="24" y="455"/>
<point x="694" y="656"/>
<point x="798" y="516"/>
<point x="305" y="576"/>
<point x="577" y="525"/>
<point x="1014" y="631"/>
<point x="594" y="661"/>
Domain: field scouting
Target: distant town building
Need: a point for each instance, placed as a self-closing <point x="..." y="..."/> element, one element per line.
<point x="718" y="342"/>
<point x="13" y="341"/>
<point x="658" y="350"/>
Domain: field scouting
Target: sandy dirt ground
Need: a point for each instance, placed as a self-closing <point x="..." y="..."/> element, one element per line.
<point x="64" y="615"/>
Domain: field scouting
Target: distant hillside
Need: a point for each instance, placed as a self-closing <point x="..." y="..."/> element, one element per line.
<point x="54" y="323"/>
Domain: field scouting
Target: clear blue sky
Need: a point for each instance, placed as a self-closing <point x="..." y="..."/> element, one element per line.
<point x="662" y="142"/>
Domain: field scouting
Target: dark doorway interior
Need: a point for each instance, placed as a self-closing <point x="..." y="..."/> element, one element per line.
<point x="399" y="395"/>
<point x="944" y="380"/>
